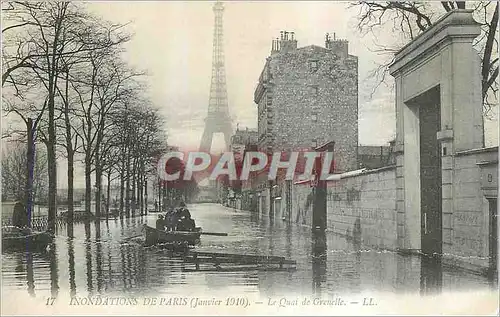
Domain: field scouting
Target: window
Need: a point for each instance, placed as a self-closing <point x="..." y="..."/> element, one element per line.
<point x="314" y="143"/>
<point x="313" y="90"/>
<point x="313" y="65"/>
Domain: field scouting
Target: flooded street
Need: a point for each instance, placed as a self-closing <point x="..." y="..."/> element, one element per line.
<point x="102" y="262"/>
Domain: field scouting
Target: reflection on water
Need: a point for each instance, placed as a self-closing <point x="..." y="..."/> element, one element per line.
<point x="431" y="275"/>
<point x="54" y="273"/>
<point x="97" y="259"/>
<point x="71" y="267"/>
<point x="319" y="261"/>
<point x="29" y="274"/>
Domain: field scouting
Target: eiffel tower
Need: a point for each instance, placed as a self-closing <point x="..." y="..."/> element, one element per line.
<point x="217" y="120"/>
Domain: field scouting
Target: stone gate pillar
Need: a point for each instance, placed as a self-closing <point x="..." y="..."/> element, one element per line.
<point x="439" y="68"/>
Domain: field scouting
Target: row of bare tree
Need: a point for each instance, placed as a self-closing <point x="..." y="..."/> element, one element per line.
<point x="64" y="76"/>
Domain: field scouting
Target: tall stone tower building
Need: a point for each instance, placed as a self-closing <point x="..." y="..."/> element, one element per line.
<point x="309" y="96"/>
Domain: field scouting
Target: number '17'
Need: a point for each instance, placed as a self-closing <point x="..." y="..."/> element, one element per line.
<point x="50" y="301"/>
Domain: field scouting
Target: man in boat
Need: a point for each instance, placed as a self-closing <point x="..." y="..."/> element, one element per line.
<point x="170" y="219"/>
<point x="185" y="222"/>
<point x="160" y="223"/>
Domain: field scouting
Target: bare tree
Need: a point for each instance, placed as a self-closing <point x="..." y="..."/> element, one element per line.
<point x="140" y="140"/>
<point x="72" y="59"/>
<point x="45" y="44"/>
<point x="30" y="113"/>
<point x="410" y="19"/>
<point x="83" y="74"/>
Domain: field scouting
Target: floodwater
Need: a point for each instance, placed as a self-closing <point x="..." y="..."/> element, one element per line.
<point x="100" y="261"/>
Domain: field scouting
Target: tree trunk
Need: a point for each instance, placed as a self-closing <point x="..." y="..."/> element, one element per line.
<point x="133" y="190"/>
<point x="52" y="171"/>
<point x="30" y="166"/>
<point x="127" y="185"/>
<point x="122" y="187"/>
<point x="134" y="187"/>
<point x="139" y="192"/>
<point x="139" y="198"/>
<point x="88" y="183"/>
<point x="70" y="191"/>
<point x="159" y="195"/>
<point x="164" y="203"/>
<point x="98" y="181"/>
<point x="108" y="193"/>
<point x="52" y="166"/>
<point x="146" y="195"/>
<point x="71" y="158"/>
<point x="51" y="131"/>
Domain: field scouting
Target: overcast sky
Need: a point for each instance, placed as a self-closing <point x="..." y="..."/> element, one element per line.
<point x="173" y="42"/>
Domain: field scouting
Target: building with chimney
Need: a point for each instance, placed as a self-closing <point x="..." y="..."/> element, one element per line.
<point x="309" y="96"/>
<point x="243" y="140"/>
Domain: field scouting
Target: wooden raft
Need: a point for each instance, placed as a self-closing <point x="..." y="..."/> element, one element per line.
<point x="238" y="262"/>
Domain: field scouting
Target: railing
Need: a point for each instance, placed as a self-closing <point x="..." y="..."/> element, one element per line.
<point x="40" y="223"/>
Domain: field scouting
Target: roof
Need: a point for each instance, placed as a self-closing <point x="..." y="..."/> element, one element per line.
<point x="336" y="177"/>
<point x="491" y="149"/>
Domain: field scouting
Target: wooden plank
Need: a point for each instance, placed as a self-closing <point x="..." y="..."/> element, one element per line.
<point x="219" y="234"/>
<point x="232" y="255"/>
<point x="241" y="260"/>
<point x="238" y="269"/>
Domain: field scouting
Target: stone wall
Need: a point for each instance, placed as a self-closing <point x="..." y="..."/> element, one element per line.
<point x="466" y="228"/>
<point x="302" y="204"/>
<point x="364" y="207"/>
<point x="361" y="207"/>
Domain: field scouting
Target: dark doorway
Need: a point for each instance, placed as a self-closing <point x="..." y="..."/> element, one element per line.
<point x="430" y="171"/>
<point x="493" y="239"/>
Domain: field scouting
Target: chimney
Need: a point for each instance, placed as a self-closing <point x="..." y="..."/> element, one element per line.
<point x="339" y="46"/>
<point x="286" y="43"/>
<point x="275" y="47"/>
